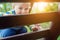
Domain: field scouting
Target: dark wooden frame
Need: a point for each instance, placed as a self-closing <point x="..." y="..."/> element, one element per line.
<point x="8" y="21"/>
<point x="38" y="18"/>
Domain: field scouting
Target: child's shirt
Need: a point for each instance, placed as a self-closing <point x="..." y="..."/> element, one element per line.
<point x="11" y="12"/>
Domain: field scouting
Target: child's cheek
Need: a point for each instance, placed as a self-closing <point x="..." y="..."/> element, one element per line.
<point x="27" y="11"/>
<point x="18" y="12"/>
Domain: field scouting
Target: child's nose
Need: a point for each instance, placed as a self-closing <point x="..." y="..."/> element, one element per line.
<point x="23" y="11"/>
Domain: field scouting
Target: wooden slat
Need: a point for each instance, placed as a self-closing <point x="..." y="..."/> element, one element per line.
<point x="30" y="0"/>
<point x="29" y="36"/>
<point x="10" y="21"/>
<point x="55" y="29"/>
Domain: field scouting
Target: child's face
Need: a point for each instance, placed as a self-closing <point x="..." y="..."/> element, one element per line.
<point x="22" y="8"/>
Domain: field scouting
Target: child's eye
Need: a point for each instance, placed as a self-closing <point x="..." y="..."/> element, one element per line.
<point x="26" y="8"/>
<point x="20" y="8"/>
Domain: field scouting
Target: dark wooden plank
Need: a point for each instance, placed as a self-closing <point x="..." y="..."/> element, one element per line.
<point x="55" y="29"/>
<point x="30" y="0"/>
<point x="29" y="36"/>
<point x="17" y="20"/>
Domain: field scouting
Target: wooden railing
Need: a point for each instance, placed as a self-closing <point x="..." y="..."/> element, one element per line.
<point x="17" y="20"/>
<point x="10" y="21"/>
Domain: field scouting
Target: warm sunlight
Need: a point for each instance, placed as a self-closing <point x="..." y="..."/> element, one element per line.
<point x="39" y="7"/>
<point x="42" y="5"/>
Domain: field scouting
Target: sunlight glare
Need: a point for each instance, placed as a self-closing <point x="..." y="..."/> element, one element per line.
<point x="42" y="5"/>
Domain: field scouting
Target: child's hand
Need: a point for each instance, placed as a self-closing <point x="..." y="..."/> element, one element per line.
<point x="36" y="27"/>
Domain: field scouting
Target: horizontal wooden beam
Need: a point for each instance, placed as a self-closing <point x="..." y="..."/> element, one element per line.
<point x="17" y="20"/>
<point x="30" y="0"/>
<point x="25" y="19"/>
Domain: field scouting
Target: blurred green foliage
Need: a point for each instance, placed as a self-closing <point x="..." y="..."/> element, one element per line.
<point x="53" y="7"/>
<point x="4" y="7"/>
<point x="49" y="8"/>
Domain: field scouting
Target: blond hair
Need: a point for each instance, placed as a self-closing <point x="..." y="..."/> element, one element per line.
<point x="13" y="4"/>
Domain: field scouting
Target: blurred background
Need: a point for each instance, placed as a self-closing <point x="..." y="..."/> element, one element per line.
<point x="36" y="8"/>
